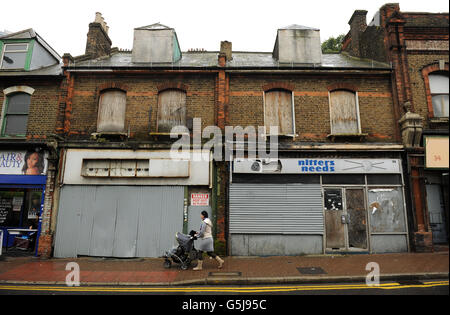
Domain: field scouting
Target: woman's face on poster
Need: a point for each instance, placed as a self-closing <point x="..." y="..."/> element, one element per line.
<point x="32" y="160"/>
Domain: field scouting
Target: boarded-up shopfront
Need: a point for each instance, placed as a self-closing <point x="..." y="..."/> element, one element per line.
<point x="306" y="206"/>
<point x="123" y="203"/>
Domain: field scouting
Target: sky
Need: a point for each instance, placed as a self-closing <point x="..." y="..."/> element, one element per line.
<point x="250" y="25"/>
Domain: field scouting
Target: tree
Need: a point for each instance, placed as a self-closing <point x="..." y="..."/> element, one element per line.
<point x="332" y="45"/>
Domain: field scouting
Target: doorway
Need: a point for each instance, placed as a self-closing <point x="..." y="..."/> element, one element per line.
<point x="345" y="219"/>
<point x="436" y="212"/>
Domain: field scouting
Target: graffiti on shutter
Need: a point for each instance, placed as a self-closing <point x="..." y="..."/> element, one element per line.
<point x="171" y="110"/>
<point x="344" y="114"/>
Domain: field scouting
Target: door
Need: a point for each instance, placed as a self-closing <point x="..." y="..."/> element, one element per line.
<point x="345" y="219"/>
<point x="436" y="213"/>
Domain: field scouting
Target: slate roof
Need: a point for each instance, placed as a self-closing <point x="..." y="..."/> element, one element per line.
<point x="241" y="60"/>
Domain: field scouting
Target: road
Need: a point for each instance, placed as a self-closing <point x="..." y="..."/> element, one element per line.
<point x="427" y="287"/>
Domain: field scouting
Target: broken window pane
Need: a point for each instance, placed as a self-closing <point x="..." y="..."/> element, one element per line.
<point x="386" y="210"/>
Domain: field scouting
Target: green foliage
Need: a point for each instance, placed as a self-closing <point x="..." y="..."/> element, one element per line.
<point x="332" y="44"/>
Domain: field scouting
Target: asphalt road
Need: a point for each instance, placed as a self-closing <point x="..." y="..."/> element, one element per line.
<point x="426" y="287"/>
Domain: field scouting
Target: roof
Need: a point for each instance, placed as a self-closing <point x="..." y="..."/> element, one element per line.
<point x="250" y="60"/>
<point x="29" y="34"/>
<point x="53" y="70"/>
<point x="298" y="27"/>
<point x="156" y="26"/>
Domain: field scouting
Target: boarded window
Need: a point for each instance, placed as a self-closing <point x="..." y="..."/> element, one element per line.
<point x="278" y="111"/>
<point x="111" y="112"/>
<point x="386" y="210"/>
<point x="171" y="110"/>
<point x="16" y="116"/>
<point x="344" y="113"/>
<point x="439" y="94"/>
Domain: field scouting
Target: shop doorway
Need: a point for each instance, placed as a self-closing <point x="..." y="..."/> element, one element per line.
<point x="345" y="219"/>
<point x="436" y="212"/>
<point x="19" y="217"/>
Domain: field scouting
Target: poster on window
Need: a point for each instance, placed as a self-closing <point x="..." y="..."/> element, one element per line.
<point x="23" y="163"/>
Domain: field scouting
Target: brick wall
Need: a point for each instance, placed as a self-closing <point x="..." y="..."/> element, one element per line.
<point x="312" y="115"/>
<point x="142" y="101"/>
<point x="416" y="63"/>
<point x="43" y="107"/>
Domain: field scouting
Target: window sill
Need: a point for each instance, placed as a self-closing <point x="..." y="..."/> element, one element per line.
<point x="438" y="121"/>
<point x="113" y="134"/>
<point x="348" y="137"/>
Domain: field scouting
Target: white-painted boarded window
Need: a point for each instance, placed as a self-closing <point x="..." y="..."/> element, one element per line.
<point x="278" y="111"/>
<point x="344" y="112"/>
<point x="171" y="109"/>
<point x="439" y="94"/>
<point x="111" y="111"/>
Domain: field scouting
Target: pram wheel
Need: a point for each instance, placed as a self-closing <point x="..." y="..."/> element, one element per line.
<point x="167" y="264"/>
<point x="184" y="266"/>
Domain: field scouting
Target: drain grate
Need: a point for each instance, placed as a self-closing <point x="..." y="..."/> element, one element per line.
<point x="311" y="270"/>
<point x="225" y="274"/>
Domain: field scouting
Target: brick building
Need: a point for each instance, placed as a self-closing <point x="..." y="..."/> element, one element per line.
<point x="335" y="180"/>
<point x="30" y="80"/>
<point x="416" y="44"/>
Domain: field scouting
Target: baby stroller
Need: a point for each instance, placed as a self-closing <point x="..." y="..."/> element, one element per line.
<point x="182" y="254"/>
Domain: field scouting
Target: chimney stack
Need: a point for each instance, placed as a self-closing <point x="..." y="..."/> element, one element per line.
<point x="226" y="48"/>
<point x="358" y="25"/>
<point x="98" y="43"/>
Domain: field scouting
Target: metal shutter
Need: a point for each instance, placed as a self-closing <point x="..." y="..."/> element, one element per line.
<point x="276" y="209"/>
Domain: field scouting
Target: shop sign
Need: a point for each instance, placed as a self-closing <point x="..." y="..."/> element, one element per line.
<point x="199" y="199"/>
<point x="23" y="163"/>
<point x="436" y="152"/>
<point x="318" y="166"/>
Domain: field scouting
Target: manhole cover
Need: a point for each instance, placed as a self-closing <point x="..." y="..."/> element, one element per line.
<point x="311" y="270"/>
<point x="225" y="274"/>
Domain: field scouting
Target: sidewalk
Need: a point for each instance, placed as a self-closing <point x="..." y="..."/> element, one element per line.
<point x="236" y="270"/>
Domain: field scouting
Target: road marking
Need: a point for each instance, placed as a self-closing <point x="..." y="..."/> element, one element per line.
<point x="384" y="286"/>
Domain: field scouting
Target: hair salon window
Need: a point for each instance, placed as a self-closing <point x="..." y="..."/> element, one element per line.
<point x="439" y="93"/>
<point x="15" y="114"/>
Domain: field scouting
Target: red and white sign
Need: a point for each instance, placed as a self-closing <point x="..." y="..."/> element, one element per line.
<point x="199" y="199"/>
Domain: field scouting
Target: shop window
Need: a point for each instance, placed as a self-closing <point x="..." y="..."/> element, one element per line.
<point x="344" y="113"/>
<point x="386" y="210"/>
<point x="111" y="112"/>
<point x="20" y="207"/>
<point x="279" y="112"/>
<point x="16" y="114"/>
<point x="346" y="179"/>
<point x="384" y="179"/>
<point x="14" y="56"/>
<point x="171" y="110"/>
<point x="439" y="94"/>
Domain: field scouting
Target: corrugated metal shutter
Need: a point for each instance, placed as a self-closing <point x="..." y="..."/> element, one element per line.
<point x="118" y="221"/>
<point x="276" y="209"/>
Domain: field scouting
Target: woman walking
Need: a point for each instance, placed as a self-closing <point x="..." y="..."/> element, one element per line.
<point x="205" y="241"/>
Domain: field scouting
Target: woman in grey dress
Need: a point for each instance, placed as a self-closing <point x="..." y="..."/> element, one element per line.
<point x="205" y="242"/>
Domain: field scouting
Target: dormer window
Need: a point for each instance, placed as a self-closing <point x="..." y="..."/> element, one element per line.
<point x="14" y="56"/>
